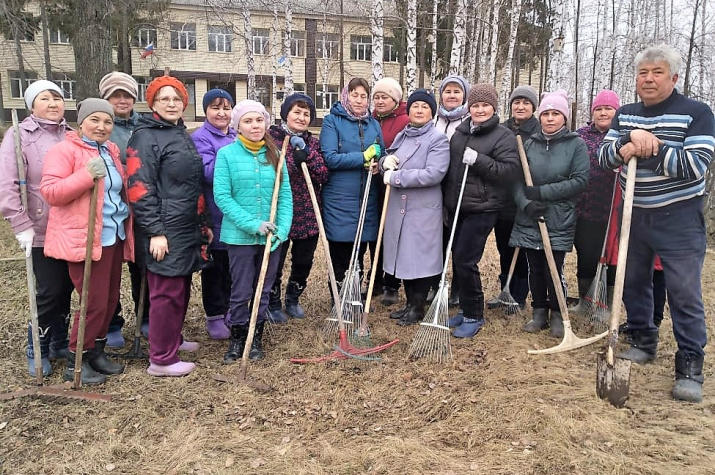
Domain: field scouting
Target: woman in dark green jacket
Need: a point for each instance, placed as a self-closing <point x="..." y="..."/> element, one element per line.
<point x="559" y="164"/>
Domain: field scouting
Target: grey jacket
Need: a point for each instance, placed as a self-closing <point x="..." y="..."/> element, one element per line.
<point x="560" y="166"/>
<point x="121" y="133"/>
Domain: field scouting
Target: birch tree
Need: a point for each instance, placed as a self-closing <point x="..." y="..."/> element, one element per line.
<point x="494" y="47"/>
<point x="455" y="60"/>
<point x="378" y="38"/>
<point x="287" y="39"/>
<point x="433" y="63"/>
<point x="248" y="38"/>
<point x="411" y="70"/>
<point x="515" y="14"/>
<point x="554" y="80"/>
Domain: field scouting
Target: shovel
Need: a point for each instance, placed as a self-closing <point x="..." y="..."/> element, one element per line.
<point x="613" y="374"/>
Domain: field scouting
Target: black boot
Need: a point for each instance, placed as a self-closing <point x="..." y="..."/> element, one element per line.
<point x="99" y="362"/>
<point x="239" y="333"/>
<point x="397" y="314"/>
<point x="275" y="305"/>
<point x="59" y="344"/>
<point x="416" y="313"/>
<point x="293" y="293"/>
<point x="389" y="296"/>
<point x="539" y="321"/>
<point x="257" y="345"/>
<point x="688" y="377"/>
<point x="644" y="346"/>
<point x="89" y="376"/>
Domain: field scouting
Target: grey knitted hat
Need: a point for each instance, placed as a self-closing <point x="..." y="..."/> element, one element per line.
<point x="528" y="93"/>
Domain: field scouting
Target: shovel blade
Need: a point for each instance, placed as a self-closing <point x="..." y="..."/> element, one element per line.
<point x="613" y="382"/>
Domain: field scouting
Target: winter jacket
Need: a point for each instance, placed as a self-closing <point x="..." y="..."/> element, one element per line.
<point x="412" y="241"/>
<point x="393" y="123"/>
<point x="121" y="133"/>
<point x="594" y="204"/>
<point x="559" y="166"/>
<point x="67" y="186"/>
<point x="165" y="177"/>
<point x="489" y="179"/>
<point x="342" y="141"/>
<point x="243" y="188"/>
<point x="448" y="126"/>
<point x="523" y="130"/>
<point x="37" y="136"/>
<point x="304" y="224"/>
<point x="208" y="140"/>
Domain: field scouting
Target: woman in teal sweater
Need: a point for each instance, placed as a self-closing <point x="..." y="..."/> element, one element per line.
<point x="243" y="188"/>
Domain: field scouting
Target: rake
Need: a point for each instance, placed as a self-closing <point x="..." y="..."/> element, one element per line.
<point x="505" y="299"/>
<point x="433" y="339"/>
<point x="343" y="349"/>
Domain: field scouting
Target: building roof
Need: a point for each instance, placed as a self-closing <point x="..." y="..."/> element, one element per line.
<point x="313" y="8"/>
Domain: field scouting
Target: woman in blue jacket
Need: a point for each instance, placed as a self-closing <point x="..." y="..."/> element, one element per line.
<point x="351" y="140"/>
<point x="244" y="176"/>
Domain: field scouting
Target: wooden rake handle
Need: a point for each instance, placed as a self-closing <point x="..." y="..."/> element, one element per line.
<point x="264" y="264"/>
<point x="378" y="245"/>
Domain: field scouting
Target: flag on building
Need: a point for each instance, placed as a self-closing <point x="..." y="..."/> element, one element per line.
<point x="148" y="51"/>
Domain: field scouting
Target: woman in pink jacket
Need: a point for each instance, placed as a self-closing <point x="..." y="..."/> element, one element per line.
<point x="72" y="169"/>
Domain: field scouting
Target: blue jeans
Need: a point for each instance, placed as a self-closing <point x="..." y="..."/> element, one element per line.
<point x="677" y="234"/>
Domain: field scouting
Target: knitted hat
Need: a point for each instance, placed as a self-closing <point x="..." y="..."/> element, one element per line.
<point x="558" y="101"/>
<point x="289" y="101"/>
<point x="424" y="96"/>
<point x="118" y="81"/>
<point x="34" y="90"/>
<point x="214" y="94"/>
<point x="91" y="105"/>
<point x="162" y="81"/>
<point x="525" y="92"/>
<point x="606" y="98"/>
<point x="455" y="79"/>
<point x="246" y="106"/>
<point x="483" y="92"/>
<point x="390" y="87"/>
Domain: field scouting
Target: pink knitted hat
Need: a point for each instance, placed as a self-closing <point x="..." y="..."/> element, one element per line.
<point x="557" y="101"/>
<point x="606" y="98"/>
<point x="246" y="106"/>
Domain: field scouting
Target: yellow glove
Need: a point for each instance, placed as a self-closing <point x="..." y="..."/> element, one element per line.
<point x="371" y="152"/>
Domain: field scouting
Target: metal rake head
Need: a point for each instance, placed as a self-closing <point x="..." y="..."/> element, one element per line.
<point x="349" y="296"/>
<point x="597" y="309"/>
<point x="511" y="306"/>
<point x="433" y="338"/>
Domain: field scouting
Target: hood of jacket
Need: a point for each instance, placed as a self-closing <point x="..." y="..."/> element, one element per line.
<point x="466" y="126"/>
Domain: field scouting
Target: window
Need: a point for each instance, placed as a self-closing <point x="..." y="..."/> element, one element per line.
<point x="57" y="36"/>
<point x="220" y="39"/>
<point x="327" y="46"/>
<point x="299" y="88"/>
<point x="390" y="54"/>
<point x="147" y="35"/>
<point x="263" y="95"/>
<point x="17" y="87"/>
<point x="143" y="84"/>
<point x="360" y="48"/>
<point x="66" y="83"/>
<point x="326" y="97"/>
<point x="260" y="41"/>
<point x="25" y="32"/>
<point x="183" y="36"/>
<point x="297" y="43"/>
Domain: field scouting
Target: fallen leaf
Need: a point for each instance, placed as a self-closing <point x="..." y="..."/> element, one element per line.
<point x="229" y="462"/>
<point x="3" y="425"/>
<point x="432" y="385"/>
<point x="258" y="462"/>
<point x="110" y="466"/>
<point x="285" y="440"/>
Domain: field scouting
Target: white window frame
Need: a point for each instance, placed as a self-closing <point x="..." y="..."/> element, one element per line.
<point x="220" y="38"/>
<point x="327" y="46"/>
<point x="59" y="37"/>
<point x="143" y="83"/>
<point x="332" y="94"/>
<point x="67" y="83"/>
<point x="360" y="48"/>
<point x="16" y="84"/>
<point x="297" y="44"/>
<point x="183" y="36"/>
<point x="261" y="41"/>
<point x="145" y="36"/>
<point x="390" y="53"/>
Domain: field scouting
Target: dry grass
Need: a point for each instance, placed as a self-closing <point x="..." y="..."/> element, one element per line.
<point x="494" y="410"/>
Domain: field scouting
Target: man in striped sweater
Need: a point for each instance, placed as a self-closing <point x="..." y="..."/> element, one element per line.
<point x="671" y="136"/>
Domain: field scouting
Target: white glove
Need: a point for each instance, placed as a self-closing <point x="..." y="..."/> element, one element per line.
<point x="25" y="239"/>
<point x="470" y="156"/>
<point x="386" y="176"/>
<point x="390" y="162"/>
<point x="97" y="168"/>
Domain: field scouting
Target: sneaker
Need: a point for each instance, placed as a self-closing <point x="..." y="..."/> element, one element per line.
<point x="469" y="327"/>
<point x="455" y="321"/>
<point x="115" y="339"/>
<point x="190" y="346"/>
<point x="182" y="368"/>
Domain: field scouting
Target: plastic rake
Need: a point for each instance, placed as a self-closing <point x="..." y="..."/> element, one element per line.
<point x="505" y="299"/>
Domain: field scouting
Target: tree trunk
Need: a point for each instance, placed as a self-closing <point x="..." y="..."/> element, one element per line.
<point x="455" y="60"/>
<point x="515" y="14"/>
<point x="411" y="72"/>
<point x="691" y="46"/>
<point x="433" y="63"/>
<point x="288" y="61"/>
<point x="250" y="66"/>
<point x="45" y="40"/>
<point x="92" y="45"/>
<point x="494" y="48"/>
<point x="378" y="39"/>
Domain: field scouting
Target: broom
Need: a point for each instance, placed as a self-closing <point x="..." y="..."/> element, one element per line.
<point x="432" y="339"/>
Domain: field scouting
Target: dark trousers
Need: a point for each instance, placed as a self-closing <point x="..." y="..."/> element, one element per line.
<point x="301" y="259"/>
<point x="53" y="296"/>
<point x="245" y="263"/>
<point x="519" y="286"/>
<point x="543" y="293"/>
<point x="589" y="243"/>
<point x="102" y="295"/>
<point x="469" y="241"/>
<point x="135" y="277"/>
<point x="169" y="301"/>
<point x="676" y="233"/>
<point x="416" y="289"/>
<point x="446" y="231"/>
<point x="216" y="284"/>
<point x="340" y="253"/>
<point x="659" y="296"/>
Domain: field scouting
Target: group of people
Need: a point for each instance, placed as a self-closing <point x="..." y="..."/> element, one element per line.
<point x="172" y="204"/>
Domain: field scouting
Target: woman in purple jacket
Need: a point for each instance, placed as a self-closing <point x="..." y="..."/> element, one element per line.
<point x="215" y="280"/>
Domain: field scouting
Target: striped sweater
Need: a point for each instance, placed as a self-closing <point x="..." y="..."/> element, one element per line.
<point x="677" y="173"/>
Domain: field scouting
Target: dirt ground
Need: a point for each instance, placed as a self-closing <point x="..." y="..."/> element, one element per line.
<point x="493" y="410"/>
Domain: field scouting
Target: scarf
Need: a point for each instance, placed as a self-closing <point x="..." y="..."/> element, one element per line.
<point x="457" y="113"/>
<point x="349" y="109"/>
<point x="251" y="145"/>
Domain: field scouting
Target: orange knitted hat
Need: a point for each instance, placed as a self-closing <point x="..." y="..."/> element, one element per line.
<point x="162" y="81"/>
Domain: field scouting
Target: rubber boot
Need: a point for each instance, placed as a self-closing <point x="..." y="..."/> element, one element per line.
<point x="397" y="314"/>
<point x="44" y="352"/>
<point x="59" y="344"/>
<point x="416" y="313"/>
<point x="688" y="377"/>
<point x="174" y="370"/>
<point x="88" y="377"/>
<point x="389" y="296"/>
<point x="216" y="327"/>
<point x="239" y="333"/>
<point x="556" y="323"/>
<point x="257" y="345"/>
<point x="293" y="292"/>
<point x="99" y="362"/>
<point x="581" y="307"/>
<point x="539" y="321"/>
<point x="275" y="305"/>
<point x="644" y="346"/>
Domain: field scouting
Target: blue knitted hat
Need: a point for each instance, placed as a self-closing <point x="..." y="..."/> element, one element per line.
<point x="424" y="96"/>
<point x="292" y="99"/>
<point x="214" y="94"/>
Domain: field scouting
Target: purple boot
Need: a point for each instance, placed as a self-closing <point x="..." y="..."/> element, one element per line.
<point x="217" y="328"/>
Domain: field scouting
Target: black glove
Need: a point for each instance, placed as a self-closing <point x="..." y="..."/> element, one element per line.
<point x="300" y="157"/>
<point x="535" y="209"/>
<point x="532" y="193"/>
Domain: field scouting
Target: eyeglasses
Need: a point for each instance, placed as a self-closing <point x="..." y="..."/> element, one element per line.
<point x="166" y="100"/>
